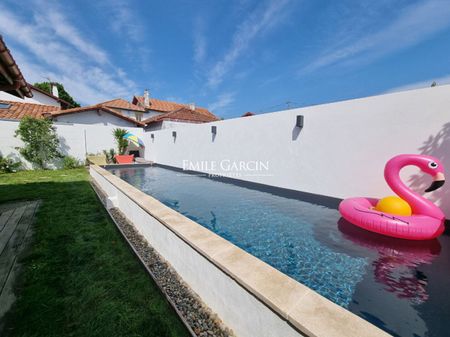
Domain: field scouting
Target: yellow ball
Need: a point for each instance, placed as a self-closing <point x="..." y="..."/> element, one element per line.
<point x="393" y="205"/>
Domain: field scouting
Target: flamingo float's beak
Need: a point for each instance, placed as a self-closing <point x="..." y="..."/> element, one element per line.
<point x="438" y="181"/>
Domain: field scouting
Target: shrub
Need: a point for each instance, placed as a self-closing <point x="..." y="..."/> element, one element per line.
<point x="70" y="162"/>
<point x="110" y="156"/>
<point x="121" y="142"/>
<point x="8" y="165"/>
<point x="40" y="139"/>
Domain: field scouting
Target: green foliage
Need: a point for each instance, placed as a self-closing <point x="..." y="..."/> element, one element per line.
<point x="9" y="165"/>
<point x="70" y="162"/>
<point x="63" y="94"/>
<point x="79" y="277"/>
<point x="40" y="139"/>
<point x="121" y="142"/>
<point x="110" y="156"/>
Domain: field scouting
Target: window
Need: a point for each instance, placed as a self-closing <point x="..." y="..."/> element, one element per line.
<point x="4" y="106"/>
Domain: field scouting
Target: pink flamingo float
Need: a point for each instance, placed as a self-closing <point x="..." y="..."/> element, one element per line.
<point x="426" y="221"/>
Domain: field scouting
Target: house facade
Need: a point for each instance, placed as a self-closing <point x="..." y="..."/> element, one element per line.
<point x="116" y="112"/>
<point x="161" y="114"/>
<point x="179" y="116"/>
<point x="39" y="97"/>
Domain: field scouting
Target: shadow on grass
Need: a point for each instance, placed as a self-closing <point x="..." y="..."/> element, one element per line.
<point x="79" y="277"/>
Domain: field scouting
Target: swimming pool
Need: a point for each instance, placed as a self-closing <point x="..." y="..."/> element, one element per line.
<point x="397" y="285"/>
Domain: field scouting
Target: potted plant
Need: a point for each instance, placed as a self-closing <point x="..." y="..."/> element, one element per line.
<point x="122" y="144"/>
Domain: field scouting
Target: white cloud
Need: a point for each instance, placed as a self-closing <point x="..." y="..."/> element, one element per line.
<point x="414" y="25"/>
<point x="421" y="84"/>
<point x="124" y="21"/>
<point x="223" y="101"/>
<point x="63" y="29"/>
<point x="199" y="41"/>
<point x="37" y="73"/>
<point x="47" y="51"/>
<point x="264" y="18"/>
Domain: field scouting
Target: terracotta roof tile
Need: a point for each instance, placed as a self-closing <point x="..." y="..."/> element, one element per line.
<point x="120" y="103"/>
<point x="11" y="77"/>
<point x="248" y="114"/>
<point x="18" y="110"/>
<point x="182" y="114"/>
<point x="167" y="106"/>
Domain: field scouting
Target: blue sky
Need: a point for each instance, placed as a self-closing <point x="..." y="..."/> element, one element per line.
<point x="231" y="56"/>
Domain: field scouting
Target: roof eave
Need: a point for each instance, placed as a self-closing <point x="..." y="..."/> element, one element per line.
<point x="11" y="73"/>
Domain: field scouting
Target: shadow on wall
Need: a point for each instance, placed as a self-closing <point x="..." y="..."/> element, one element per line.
<point x="437" y="146"/>
<point x="63" y="146"/>
<point x="17" y="158"/>
<point x="296" y="132"/>
<point x="13" y="155"/>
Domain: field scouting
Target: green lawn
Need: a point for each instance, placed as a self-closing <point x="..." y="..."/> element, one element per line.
<point x="80" y="278"/>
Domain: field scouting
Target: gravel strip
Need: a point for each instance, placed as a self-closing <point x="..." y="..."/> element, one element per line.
<point x="200" y="318"/>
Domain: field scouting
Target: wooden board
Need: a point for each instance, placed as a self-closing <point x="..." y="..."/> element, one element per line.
<point x="15" y="231"/>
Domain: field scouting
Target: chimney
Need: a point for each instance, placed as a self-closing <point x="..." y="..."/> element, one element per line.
<point x="146" y="98"/>
<point x="191" y="106"/>
<point x="54" y="90"/>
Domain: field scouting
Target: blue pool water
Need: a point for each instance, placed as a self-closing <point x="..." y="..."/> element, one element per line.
<point x="400" y="286"/>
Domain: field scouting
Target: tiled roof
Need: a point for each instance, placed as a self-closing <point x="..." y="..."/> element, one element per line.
<point x="11" y="78"/>
<point x="167" y="106"/>
<point x="97" y="107"/>
<point x="120" y="103"/>
<point x="182" y="114"/>
<point x="18" y="110"/>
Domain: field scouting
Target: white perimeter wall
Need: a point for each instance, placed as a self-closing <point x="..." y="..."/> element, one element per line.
<point x="75" y="139"/>
<point x="340" y="152"/>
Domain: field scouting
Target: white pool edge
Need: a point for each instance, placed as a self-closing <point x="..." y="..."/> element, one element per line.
<point x="249" y="296"/>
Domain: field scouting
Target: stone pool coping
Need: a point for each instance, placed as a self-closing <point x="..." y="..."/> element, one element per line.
<point x="304" y="309"/>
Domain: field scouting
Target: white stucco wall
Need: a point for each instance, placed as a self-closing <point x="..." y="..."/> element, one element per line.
<point x="75" y="139"/>
<point x="94" y="118"/>
<point x="340" y="152"/>
<point x="173" y="124"/>
<point x="38" y="98"/>
<point x="165" y="125"/>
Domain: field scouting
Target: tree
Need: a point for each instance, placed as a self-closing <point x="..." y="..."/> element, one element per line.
<point x="40" y="139"/>
<point x="121" y="142"/>
<point x="63" y="94"/>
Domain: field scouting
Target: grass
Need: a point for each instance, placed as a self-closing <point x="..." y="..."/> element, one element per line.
<point x="80" y="278"/>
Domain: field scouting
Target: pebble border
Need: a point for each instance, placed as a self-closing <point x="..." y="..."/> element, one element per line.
<point x="200" y="320"/>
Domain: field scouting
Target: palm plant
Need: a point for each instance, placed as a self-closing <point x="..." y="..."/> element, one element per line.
<point x="121" y="142"/>
<point x="110" y="156"/>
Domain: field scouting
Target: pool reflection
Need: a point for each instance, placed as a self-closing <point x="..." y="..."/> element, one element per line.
<point x="396" y="264"/>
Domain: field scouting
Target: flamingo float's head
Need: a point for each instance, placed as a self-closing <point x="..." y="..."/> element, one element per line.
<point x="433" y="167"/>
<point x="427" y="164"/>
